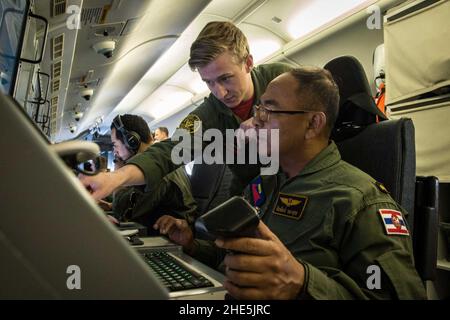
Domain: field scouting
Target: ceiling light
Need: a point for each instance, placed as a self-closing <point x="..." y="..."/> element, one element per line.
<point x="164" y="101"/>
<point x="261" y="49"/>
<point x="319" y="13"/>
<point x="262" y="42"/>
<point x="186" y="79"/>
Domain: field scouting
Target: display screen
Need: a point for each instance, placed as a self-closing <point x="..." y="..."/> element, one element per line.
<point x="13" y="15"/>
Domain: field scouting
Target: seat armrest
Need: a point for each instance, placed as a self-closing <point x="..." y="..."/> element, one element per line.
<point x="425" y="242"/>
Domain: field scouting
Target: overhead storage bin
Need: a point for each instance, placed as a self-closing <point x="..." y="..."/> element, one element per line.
<point x="417" y="45"/>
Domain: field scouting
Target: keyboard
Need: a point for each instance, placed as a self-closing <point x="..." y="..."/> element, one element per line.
<point x="173" y="275"/>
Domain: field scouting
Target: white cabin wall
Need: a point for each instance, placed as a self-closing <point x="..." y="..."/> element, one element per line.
<point x="356" y="40"/>
<point x="172" y="122"/>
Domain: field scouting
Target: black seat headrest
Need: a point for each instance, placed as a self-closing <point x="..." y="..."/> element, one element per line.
<point x="357" y="108"/>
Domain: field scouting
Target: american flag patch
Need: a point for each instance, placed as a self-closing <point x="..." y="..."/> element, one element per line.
<point x="393" y="222"/>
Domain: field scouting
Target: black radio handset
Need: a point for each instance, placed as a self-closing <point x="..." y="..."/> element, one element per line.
<point x="233" y="218"/>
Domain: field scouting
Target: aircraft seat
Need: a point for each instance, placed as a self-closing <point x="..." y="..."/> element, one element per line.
<point x="426" y="226"/>
<point x="386" y="151"/>
<point x="357" y="108"/>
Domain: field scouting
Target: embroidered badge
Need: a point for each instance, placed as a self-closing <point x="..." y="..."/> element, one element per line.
<point x="257" y="192"/>
<point x="191" y="123"/>
<point x="393" y="222"/>
<point x="290" y="205"/>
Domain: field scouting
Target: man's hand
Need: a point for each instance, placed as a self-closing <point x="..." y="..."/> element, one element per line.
<point x="243" y="135"/>
<point x="177" y="230"/>
<point x="261" y="268"/>
<point x="105" y="183"/>
<point x="113" y="220"/>
<point x="247" y="124"/>
<point x="101" y="185"/>
<point x="105" y="205"/>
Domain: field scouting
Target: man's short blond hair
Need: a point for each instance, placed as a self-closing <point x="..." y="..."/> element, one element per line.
<point x="216" y="38"/>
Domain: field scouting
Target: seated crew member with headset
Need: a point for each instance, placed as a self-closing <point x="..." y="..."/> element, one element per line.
<point x="131" y="135"/>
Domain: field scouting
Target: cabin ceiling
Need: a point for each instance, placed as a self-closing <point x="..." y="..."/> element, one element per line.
<point x="148" y="73"/>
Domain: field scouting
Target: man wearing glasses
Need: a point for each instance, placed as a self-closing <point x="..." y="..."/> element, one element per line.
<point x="323" y="233"/>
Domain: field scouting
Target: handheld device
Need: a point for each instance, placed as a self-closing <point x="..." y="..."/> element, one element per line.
<point x="233" y="218"/>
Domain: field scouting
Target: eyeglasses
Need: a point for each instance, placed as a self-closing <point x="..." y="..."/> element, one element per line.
<point x="262" y="112"/>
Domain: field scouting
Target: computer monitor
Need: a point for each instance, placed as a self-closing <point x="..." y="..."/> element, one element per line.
<point x="55" y="242"/>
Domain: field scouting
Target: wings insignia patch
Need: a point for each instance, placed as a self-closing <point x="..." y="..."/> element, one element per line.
<point x="290" y="205"/>
<point x="290" y="201"/>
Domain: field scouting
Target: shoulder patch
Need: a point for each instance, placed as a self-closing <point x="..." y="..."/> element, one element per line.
<point x="393" y="222"/>
<point x="191" y="123"/>
<point x="257" y="192"/>
<point x="381" y="187"/>
<point x="290" y="205"/>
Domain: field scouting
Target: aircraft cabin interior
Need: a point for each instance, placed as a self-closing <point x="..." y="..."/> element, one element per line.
<point x="69" y="68"/>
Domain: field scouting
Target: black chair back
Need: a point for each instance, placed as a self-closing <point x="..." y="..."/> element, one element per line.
<point x="357" y="108"/>
<point x="386" y="151"/>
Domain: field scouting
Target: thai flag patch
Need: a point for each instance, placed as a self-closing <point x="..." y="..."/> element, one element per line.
<point x="393" y="222"/>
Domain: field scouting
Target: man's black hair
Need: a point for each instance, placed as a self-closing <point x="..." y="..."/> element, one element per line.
<point x="320" y="91"/>
<point x="134" y="123"/>
<point x="164" y="129"/>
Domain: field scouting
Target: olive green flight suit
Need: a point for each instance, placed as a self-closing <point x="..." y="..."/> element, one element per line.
<point x="328" y="217"/>
<point x="173" y="196"/>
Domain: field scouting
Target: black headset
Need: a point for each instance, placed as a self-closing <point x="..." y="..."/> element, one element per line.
<point x="131" y="139"/>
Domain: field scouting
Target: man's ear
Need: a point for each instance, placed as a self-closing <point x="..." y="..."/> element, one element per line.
<point x="316" y="125"/>
<point x="249" y="63"/>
